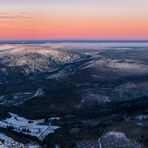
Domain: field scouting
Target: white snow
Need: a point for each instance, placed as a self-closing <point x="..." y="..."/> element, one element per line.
<point x="100" y="145"/>
<point x="119" y="135"/>
<point x="142" y="117"/>
<point x="36" y="127"/>
<point x="117" y="139"/>
<point x="35" y="57"/>
<point x="4" y="137"/>
<point x="39" y="93"/>
<point x="9" y="142"/>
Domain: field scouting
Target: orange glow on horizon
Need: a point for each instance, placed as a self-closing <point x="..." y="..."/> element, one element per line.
<point x="73" y="22"/>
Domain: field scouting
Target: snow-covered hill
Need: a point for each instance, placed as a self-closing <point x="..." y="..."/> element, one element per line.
<point x="33" y="58"/>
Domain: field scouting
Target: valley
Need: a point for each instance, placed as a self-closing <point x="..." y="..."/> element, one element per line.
<point x="98" y="94"/>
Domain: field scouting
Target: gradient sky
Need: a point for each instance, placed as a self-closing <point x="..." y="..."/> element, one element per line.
<point x="73" y="19"/>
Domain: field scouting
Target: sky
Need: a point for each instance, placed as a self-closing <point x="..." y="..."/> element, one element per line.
<point x="73" y="19"/>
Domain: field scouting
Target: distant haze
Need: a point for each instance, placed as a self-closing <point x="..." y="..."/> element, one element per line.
<point x="73" y="19"/>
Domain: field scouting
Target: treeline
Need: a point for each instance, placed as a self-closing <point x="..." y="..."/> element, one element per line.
<point x="19" y="136"/>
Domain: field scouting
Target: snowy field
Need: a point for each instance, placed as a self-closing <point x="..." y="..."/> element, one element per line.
<point x="31" y="127"/>
<point x="8" y="142"/>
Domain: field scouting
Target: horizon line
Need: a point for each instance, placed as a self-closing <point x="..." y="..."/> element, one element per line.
<point x="27" y="40"/>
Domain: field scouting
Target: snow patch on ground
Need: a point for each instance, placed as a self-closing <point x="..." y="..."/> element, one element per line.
<point x="7" y="142"/>
<point x="34" y="127"/>
<point x="115" y="134"/>
<point x="39" y="93"/>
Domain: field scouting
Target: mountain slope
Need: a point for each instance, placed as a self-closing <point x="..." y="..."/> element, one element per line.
<point x="33" y="58"/>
